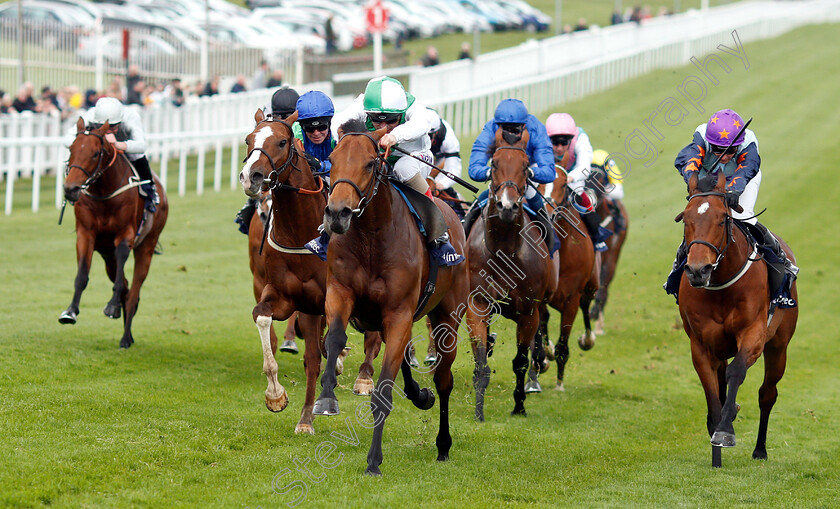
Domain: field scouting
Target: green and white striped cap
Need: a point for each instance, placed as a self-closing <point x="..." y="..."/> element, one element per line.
<point x="386" y="95"/>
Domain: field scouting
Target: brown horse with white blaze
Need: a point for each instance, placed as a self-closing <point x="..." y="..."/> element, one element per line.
<point x="724" y="304"/>
<point x="378" y="266"/>
<point x="110" y="220"/>
<point x="287" y="277"/>
<point x="511" y="272"/>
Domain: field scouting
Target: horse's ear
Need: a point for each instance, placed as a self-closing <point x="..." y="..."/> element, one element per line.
<point x="692" y="183"/>
<point x="679" y="217"/>
<point x="291" y="119"/>
<point x="738" y="208"/>
<point x="379" y="133"/>
<point x="525" y="137"/>
<point x="105" y="127"/>
<point x="259" y="116"/>
<point x="80" y="124"/>
<point x="562" y="177"/>
<point x="721" y="182"/>
<point x="498" y="137"/>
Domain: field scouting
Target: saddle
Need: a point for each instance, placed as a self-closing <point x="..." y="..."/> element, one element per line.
<point x="429" y="217"/>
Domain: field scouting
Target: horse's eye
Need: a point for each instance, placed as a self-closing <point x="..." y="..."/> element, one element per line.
<point x="282" y="143"/>
<point x="369" y="166"/>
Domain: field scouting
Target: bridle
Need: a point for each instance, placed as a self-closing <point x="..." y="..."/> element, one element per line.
<point x="729" y="237"/>
<point x="508" y="183"/>
<point x="100" y="158"/>
<point x="274" y="177"/>
<point x="372" y="186"/>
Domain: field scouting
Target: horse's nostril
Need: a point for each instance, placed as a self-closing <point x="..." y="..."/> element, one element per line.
<point x="499" y="205"/>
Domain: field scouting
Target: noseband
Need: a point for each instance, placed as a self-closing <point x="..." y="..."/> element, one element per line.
<point x="373" y="184"/>
<point x="99" y="170"/>
<point x="508" y="183"/>
<point x="729" y="238"/>
<point x="274" y="176"/>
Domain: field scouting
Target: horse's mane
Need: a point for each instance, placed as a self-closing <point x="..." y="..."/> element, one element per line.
<point x="354" y="125"/>
<point x="707" y="183"/>
<point x="510" y="138"/>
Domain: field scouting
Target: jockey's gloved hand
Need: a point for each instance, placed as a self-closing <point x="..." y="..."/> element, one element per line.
<point x="732" y="199"/>
<point x="530" y="173"/>
<point x="313" y="161"/>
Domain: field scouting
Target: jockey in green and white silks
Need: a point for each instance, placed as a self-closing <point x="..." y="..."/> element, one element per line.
<point x="385" y="103"/>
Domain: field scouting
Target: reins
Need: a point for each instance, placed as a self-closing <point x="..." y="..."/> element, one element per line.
<point x="373" y="184"/>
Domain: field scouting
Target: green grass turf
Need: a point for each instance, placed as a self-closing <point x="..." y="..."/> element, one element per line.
<point x="178" y="420"/>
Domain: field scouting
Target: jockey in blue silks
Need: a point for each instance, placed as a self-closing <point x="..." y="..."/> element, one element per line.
<point x="315" y="112"/>
<point x="512" y="116"/>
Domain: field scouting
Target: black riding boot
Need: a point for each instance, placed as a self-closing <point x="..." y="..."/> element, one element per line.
<point x="593" y="224"/>
<point x="243" y="217"/>
<point x="470" y="218"/>
<point x="771" y="242"/>
<point x="547" y="227"/>
<point x="145" y="173"/>
<point x="672" y="284"/>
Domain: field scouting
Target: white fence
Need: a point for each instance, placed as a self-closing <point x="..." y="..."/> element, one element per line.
<point x="542" y="74"/>
<point x="556" y="70"/>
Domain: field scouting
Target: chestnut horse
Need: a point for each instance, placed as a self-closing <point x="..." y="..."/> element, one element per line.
<point x="511" y="272"/>
<point x="606" y="208"/>
<point x="578" y="280"/>
<point x="724" y="304"/>
<point x="110" y="219"/>
<point x="378" y="267"/>
<point x="286" y="279"/>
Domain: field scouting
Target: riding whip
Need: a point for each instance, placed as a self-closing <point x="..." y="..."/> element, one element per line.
<point x="61" y="216"/>
<point x="732" y="142"/>
<point x="456" y="178"/>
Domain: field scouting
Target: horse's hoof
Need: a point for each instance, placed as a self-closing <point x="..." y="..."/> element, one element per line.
<point x="560" y="387"/>
<point x="533" y="386"/>
<point x="759" y="454"/>
<point x="126" y="342"/>
<point x="373" y="471"/>
<point x="363" y="387"/>
<point x="548" y="347"/>
<point x="519" y="412"/>
<point x="425" y="400"/>
<point x="289" y="346"/>
<point x="412" y="360"/>
<point x="723" y="439"/>
<point x="325" y="406"/>
<point x="112" y="311"/>
<point x="67" y="317"/>
<point x="586" y="341"/>
<point x="304" y="428"/>
<point x="339" y="366"/>
<point x="276" y="404"/>
<point x="544" y="365"/>
<point x="430" y="360"/>
<point x="479" y="416"/>
<point x="443" y="457"/>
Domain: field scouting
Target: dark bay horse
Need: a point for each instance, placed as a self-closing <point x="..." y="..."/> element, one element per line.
<point x="598" y="181"/>
<point x="287" y="277"/>
<point x="724" y="304"/>
<point x="378" y="267"/>
<point x="110" y="220"/>
<point x="511" y="272"/>
<point x="579" y="276"/>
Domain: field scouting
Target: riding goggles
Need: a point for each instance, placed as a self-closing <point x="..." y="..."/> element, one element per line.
<point x="561" y="139"/>
<point x="723" y="150"/>
<point x="311" y="125"/>
<point x="512" y="128"/>
<point x="384" y="118"/>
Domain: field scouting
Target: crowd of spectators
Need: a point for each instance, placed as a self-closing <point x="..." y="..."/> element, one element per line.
<point x="130" y="89"/>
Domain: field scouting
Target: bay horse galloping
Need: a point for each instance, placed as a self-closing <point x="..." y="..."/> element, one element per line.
<point x="378" y="267"/>
<point x="288" y="277"/>
<point x="725" y="305"/>
<point x="110" y="219"/>
<point x="511" y="272"/>
<point x="579" y="276"/>
<point x="614" y="217"/>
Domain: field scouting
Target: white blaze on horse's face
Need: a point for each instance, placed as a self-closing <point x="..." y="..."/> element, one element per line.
<point x="507" y="202"/>
<point x="703" y="208"/>
<point x="259" y="140"/>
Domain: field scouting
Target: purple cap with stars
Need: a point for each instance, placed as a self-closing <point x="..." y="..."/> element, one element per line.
<point x="722" y="128"/>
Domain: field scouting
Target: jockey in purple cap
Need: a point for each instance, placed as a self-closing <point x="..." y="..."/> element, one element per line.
<point x="722" y="144"/>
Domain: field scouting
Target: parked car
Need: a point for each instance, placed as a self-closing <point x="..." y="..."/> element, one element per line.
<point x="144" y="49"/>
